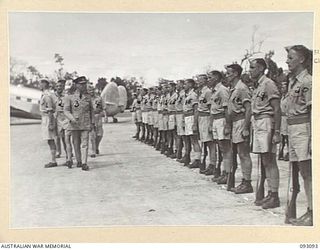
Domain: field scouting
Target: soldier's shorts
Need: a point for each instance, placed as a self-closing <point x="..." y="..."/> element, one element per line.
<point x="145" y="117"/>
<point x="155" y="119"/>
<point x="188" y="122"/>
<point x="62" y="124"/>
<point x="218" y="129"/>
<point x="263" y="130"/>
<point x="284" y="125"/>
<point x="160" y="122"/>
<point x="165" y="119"/>
<point x="205" y="134"/>
<point x="180" y="124"/>
<point x="299" y="136"/>
<point x="46" y="133"/>
<point x="139" y="115"/>
<point x="171" y="122"/>
<point x="150" y="117"/>
<point x="237" y="128"/>
<point x="134" y="117"/>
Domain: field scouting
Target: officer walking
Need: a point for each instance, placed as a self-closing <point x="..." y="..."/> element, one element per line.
<point x="78" y="109"/>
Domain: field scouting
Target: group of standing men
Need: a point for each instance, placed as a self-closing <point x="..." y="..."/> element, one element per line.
<point x="72" y="114"/>
<point x="231" y="120"/>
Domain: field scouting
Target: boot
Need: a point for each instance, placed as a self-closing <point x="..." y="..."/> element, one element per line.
<point x="246" y="188"/>
<point x="187" y="161"/>
<point x="202" y="169"/>
<point x="273" y="202"/>
<point x="163" y="148"/>
<point x="210" y="170"/>
<point x="173" y="155"/>
<point x="158" y="146"/>
<point x="265" y="199"/>
<point x="218" y="177"/>
<point x="179" y="154"/>
<point x="195" y="164"/>
<point x="223" y="179"/>
<point x="239" y="186"/>
<point x="304" y="220"/>
<point x="169" y="152"/>
<point x="286" y="157"/>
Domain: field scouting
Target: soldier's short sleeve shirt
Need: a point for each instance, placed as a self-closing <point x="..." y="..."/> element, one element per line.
<point x="299" y="94"/>
<point x="204" y="100"/>
<point x="240" y="94"/>
<point x="262" y="96"/>
<point x="219" y="99"/>
<point x="190" y="100"/>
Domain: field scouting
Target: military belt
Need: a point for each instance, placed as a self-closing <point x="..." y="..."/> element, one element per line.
<point x="299" y="119"/>
<point x="237" y="116"/>
<point x="201" y="113"/>
<point x="218" y="116"/>
<point x="262" y="116"/>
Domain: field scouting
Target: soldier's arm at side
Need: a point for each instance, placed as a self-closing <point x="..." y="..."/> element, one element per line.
<point x="67" y="109"/>
<point x="50" y="111"/>
<point x="247" y="119"/>
<point x="275" y="104"/>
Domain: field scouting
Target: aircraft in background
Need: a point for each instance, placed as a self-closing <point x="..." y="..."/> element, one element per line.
<point x="25" y="102"/>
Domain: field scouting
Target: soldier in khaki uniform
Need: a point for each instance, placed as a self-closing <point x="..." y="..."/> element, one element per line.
<point x="78" y="109"/>
<point x="133" y="109"/>
<point x="160" y="118"/>
<point x="155" y="116"/>
<point x="218" y="111"/>
<point x="299" y="60"/>
<point x="99" y="110"/>
<point x="165" y="118"/>
<point x="138" y="113"/>
<point x="149" y="125"/>
<point x="203" y="120"/>
<point x="190" y="110"/>
<point x="171" y="133"/>
<point x="48" y="122"/>
<point x="62" y="121"/>
<point x="144" y="101"/>
<point x="180" y="120"/>
<point x="266" y="129"/>
<point x="238" y="117"/>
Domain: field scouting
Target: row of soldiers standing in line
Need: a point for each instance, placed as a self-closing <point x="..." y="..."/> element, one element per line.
<point x="72" y="115"/>
<point x="226" y="116"/>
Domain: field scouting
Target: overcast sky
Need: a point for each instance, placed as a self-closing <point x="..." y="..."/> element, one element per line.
<point x="150" y="45"/>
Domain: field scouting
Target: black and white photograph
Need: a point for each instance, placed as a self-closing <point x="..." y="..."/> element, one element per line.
<point x="160" y="119"/>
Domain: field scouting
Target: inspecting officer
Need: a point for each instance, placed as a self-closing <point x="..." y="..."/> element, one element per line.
<point x="78" y="109"/>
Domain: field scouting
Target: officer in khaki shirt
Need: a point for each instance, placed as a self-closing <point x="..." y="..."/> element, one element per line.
<point x="238" y="117"/>
<point x="299" y="60"/>
<point x="203" y="120"/>
<point x="266" y="129"/>
<point x="218" y="111"/>
<point x="48" y="122"/>
<point x="78" y="109"/>
<point x="190" y="110"/>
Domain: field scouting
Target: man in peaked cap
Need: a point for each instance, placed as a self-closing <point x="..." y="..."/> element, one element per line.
<point x="78" y="109"/>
